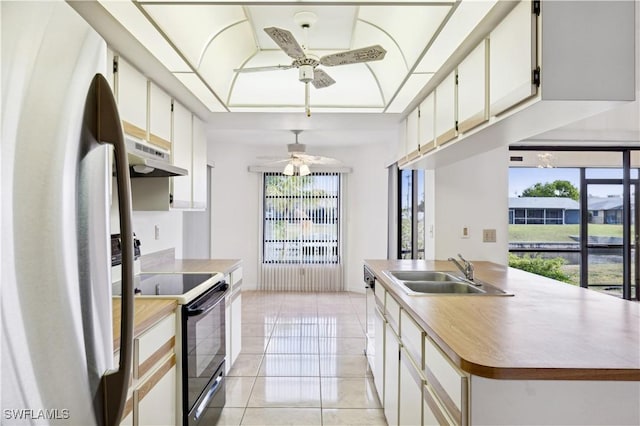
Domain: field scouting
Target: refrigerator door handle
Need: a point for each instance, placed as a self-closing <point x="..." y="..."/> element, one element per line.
<point x="107" y="128"/>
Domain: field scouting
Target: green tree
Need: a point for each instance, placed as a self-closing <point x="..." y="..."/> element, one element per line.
<point x="557" y="188"/>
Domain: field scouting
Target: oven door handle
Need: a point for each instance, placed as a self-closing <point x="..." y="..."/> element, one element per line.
<point x="210" y="393"/>
<point x="194" y="312"/>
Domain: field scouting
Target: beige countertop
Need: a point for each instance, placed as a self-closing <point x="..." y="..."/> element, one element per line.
<point x="146" y="313"/>
<point x="547" y="330"/>
<point x="194" y="265"/>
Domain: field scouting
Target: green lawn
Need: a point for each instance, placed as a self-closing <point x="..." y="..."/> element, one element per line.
<point x="559" y="233"/>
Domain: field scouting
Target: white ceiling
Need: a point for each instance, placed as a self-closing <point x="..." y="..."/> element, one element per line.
<point x="202" y="43"/>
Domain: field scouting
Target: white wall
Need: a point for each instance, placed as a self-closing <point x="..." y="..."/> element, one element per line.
<point x="168" y="222"/>
<point x="236" y="205"/>
<point x="472" y="192"/>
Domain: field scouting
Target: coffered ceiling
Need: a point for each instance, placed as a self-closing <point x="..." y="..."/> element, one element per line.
<point x="204" y="44"/>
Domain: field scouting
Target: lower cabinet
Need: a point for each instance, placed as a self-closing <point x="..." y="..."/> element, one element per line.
<point x="378" y="367"/>
<point x="233" y="317"/>
<point x="391" y="375"/>
<point x="152" y="398"/>
<point x="411" y="383"/>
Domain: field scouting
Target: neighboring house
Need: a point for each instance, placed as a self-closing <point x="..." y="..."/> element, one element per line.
<point x="563" y="211"/>
<point x="607" y="210"/>
<point x="543" y="211"/>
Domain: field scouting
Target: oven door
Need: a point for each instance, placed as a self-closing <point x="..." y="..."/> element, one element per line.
<point x="204" y="354"/>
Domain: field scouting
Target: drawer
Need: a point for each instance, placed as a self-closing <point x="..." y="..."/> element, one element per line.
<point x="448" y="383"/>
<point x="432" y="411"/>
<point x="153" y="345"/>
<point x="393" y="313"/>
<point x="412" y="338"/>
<point x="236" y="277"/>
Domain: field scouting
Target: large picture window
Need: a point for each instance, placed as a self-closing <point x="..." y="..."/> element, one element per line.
<point x="301" y="219"/>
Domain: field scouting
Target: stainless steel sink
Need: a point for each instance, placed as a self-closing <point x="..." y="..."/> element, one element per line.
<point x="424" y="276"/>
<point x="425" y="283"/>
<point x="435" y="287"/>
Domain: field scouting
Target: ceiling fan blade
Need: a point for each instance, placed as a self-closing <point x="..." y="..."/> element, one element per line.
<point x="268" y="68"/>
<point x="321" y="79"/>
<point x="286" y="41"/>
<point x="365" y="54"/>
<point x="316" y="159"/>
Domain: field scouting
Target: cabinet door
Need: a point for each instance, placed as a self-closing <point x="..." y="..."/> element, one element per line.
<point x="132" y="99"/>
<point x="159" y="117"/>
<point x="181" y="154"/>
<point x="472" y="89"/>
<point x="378" y="367"/>
<point x="512" y="58"/>
<point x="401" y="152"/>
<point x="227" y="332"/>
<point x="156" y="397"/>
<point x="391" y="375"/>
<point x="446" y="109"/>
<point x="410" y="400"/>
<point x="413" y="139"/>
<point x="432" y="412"/>
<point x="236" y="326"/>
<point x="427" y="123"/>
<point x="199" y="167"/>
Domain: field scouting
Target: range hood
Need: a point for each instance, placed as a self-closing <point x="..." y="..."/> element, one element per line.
<point x="146" y="160"/>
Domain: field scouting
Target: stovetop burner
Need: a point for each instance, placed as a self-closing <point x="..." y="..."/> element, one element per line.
<point x="182" y="286"/>
<point x="168" y="284"/>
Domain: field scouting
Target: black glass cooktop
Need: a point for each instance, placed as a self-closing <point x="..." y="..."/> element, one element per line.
<point x="167" y="284"/>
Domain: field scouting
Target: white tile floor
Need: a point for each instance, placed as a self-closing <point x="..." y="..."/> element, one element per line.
<point x="302" y="362"/>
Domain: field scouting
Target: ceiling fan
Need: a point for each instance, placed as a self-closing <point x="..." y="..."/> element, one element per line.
<point x="307" y="63"/>
<point x="298" y="161"/>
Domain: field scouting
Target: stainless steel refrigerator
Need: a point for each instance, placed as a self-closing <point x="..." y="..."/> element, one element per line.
<point x="61" y="133"/>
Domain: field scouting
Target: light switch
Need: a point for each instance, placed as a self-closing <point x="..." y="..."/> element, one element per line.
<point x="157" y="232"/>
<point x="465" y="232"/>
<point x="488" y="235"/>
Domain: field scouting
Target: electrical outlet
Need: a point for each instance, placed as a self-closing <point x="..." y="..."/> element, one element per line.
<point x="488" y="235"/>
<point x="465" y="232"/>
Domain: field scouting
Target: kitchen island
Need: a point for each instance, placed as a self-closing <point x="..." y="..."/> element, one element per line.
<point x="551" y="353"/>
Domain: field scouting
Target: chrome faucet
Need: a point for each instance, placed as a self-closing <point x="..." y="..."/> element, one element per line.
<point x="466" y="269"/>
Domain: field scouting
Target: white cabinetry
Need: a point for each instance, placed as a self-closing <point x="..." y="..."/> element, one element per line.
<point x="182" y="155"/>
<point x="512" y="59"/>
<point x="153" y="388"/>
<point x="378" y="367"/>
<point x="446" y="110"/>
<point x="427" y="123"/>
<point x="391" y="375"/>
<point x="199" y="165"/>
<point x="131" y="90"/>
<point x="159" y="117"/>
<point x="233" y="317"/>
<point x="413" y="134"/>
<point x="411" y="382"/>
<point x="473" y="80"/>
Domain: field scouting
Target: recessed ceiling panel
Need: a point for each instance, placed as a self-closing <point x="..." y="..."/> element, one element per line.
<point x="411" y="27"/>
<point x="413" y="85"/>
<point x="192" y="27"/>
<point x="202" y="92"/>
<point x="464" y="19"/>
<point x="390" y="71"/>
<point x="332" y="29"/>
<point x="226" y="52"/>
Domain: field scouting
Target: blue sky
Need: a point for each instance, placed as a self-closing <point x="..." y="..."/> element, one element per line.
<point x="522" y="178"/>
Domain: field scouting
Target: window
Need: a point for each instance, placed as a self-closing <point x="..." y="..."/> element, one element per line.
<point x="411" y="214"/>
<point x="301" y="219"/>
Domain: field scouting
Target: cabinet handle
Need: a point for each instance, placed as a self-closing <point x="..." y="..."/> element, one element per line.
<point x="103" y="122"/>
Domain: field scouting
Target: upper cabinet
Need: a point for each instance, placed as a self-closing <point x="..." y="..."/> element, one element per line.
<point x="131" y="89"/>
<point x="159" y="117"/>
<point x="512" y="59"/>
<point x="199" y="165"/>
<point x="413" y="134"/>
<point x="182" y="155"/>
<point x="427" y="123"/>
<point x="473" y="82"/>
<point x="445" y="126"/>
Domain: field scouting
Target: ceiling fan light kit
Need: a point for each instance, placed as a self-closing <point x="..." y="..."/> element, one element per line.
<point x="307" y="63"/>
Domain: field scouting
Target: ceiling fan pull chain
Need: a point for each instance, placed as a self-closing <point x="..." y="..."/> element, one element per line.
<point x="307" y="107"/>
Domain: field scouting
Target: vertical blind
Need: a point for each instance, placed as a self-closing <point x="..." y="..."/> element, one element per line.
<point x="301" y="232"/>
